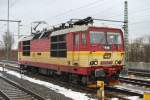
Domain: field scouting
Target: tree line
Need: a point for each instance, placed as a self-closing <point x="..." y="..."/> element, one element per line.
<point x="139" y="50"/>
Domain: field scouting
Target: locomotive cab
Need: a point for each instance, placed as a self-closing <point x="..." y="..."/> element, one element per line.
<point x="100" y="50"/>
<point x="108" y="44"/>
<point x="106" y="52"/>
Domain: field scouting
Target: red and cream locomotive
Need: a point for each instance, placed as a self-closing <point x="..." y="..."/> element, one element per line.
<point x="79" y="52"/>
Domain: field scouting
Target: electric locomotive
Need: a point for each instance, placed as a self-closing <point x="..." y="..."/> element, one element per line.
<point x="79" y="52"/>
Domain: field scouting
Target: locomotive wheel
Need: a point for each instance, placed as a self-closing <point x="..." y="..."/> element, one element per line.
<point x="84" y="80"/>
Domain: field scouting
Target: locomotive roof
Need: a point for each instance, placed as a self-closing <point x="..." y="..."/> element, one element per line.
<point x="76" y="28"/>
<point x="26" y="38"/>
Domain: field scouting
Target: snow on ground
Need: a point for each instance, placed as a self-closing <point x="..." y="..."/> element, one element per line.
<point x="114" y="99"/>
<point x="129" y="98"/>
<point x="67" y="92"/>
<point x="133" y="98"/>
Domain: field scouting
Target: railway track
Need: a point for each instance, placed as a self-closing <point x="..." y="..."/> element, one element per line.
<point x="139" y="73"/>
<point x="3" y="96"/>
<point x="135" y="81"/>
<point x="123" y="91"/>
<point x="79" y="88"/>
<point x="10" y="90"/>
<point x="119" y="93"/>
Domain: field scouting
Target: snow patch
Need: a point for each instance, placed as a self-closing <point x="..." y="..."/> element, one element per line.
<point x="114" y="99"/>
<point x="133" y="98"/>
<point x="67" y="92"/>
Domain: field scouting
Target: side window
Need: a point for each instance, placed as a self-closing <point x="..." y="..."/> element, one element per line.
<point x="83" y="39"/>
<point x="76" y="39"/>
<point x="26" y="48"/>
<point x="58" y="46"/>
<point x="54" y="46"/>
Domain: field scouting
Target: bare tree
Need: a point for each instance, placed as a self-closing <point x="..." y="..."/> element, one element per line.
<point x="136" y="51"/>
<point x="147" y="50"/>
<point x="8" y="40"/>
<point x="139" y="50"/>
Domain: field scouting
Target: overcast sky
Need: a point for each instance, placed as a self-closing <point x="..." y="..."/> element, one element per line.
<point x="59" y="11"/>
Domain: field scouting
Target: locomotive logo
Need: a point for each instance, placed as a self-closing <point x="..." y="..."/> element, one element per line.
<point x="107" y="56"/>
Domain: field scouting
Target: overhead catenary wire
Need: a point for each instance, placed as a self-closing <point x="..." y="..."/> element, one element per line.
<point x="64" y="14"/>
<point x="78" y="8"/>
<point x="112" y="6"/>
<point x="89" y="5"/>
<point x="94" y="6"/>
<point x="11" y="5"/>
<point x="132" y="13"/>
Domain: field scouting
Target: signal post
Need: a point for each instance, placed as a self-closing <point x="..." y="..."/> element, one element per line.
<point x="100" y="91"/>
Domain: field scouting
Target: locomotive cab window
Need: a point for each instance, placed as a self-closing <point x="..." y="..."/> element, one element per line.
<point x="113" y="38"/>
<point x="58" y="46"/>
<point x="97" y="38"/>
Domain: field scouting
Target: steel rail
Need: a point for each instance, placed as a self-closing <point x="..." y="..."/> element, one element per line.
<point x="135" y="81"/>
<point x="23" y="89"/>
<point x="123" y="91"/>
<point x="4" y="96"/>
<point x="142" y="73"/>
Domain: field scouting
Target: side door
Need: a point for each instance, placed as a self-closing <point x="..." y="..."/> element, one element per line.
<point x="76" y="48"/>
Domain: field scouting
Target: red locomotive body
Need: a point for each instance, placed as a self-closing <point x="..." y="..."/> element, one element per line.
<point x="83" y="53"/>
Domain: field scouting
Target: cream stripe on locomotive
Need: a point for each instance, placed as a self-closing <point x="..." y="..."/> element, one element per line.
<point x="82" y="58"/>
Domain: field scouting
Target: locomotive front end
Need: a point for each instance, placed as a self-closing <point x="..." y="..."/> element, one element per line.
<point x="106" y="56"/>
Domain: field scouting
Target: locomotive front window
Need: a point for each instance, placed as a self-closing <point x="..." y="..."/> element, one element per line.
<point x="113" y="38"/>
<point x="97" y="38"/>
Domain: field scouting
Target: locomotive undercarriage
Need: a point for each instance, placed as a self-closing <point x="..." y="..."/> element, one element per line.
<point x="69" y="77"/>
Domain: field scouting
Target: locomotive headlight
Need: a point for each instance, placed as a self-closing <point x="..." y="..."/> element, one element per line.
<point x="119" y="62"/>
<point x="91" y="62"/>
<point x="95" y="62"/>
<point x="116" y="61"/>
